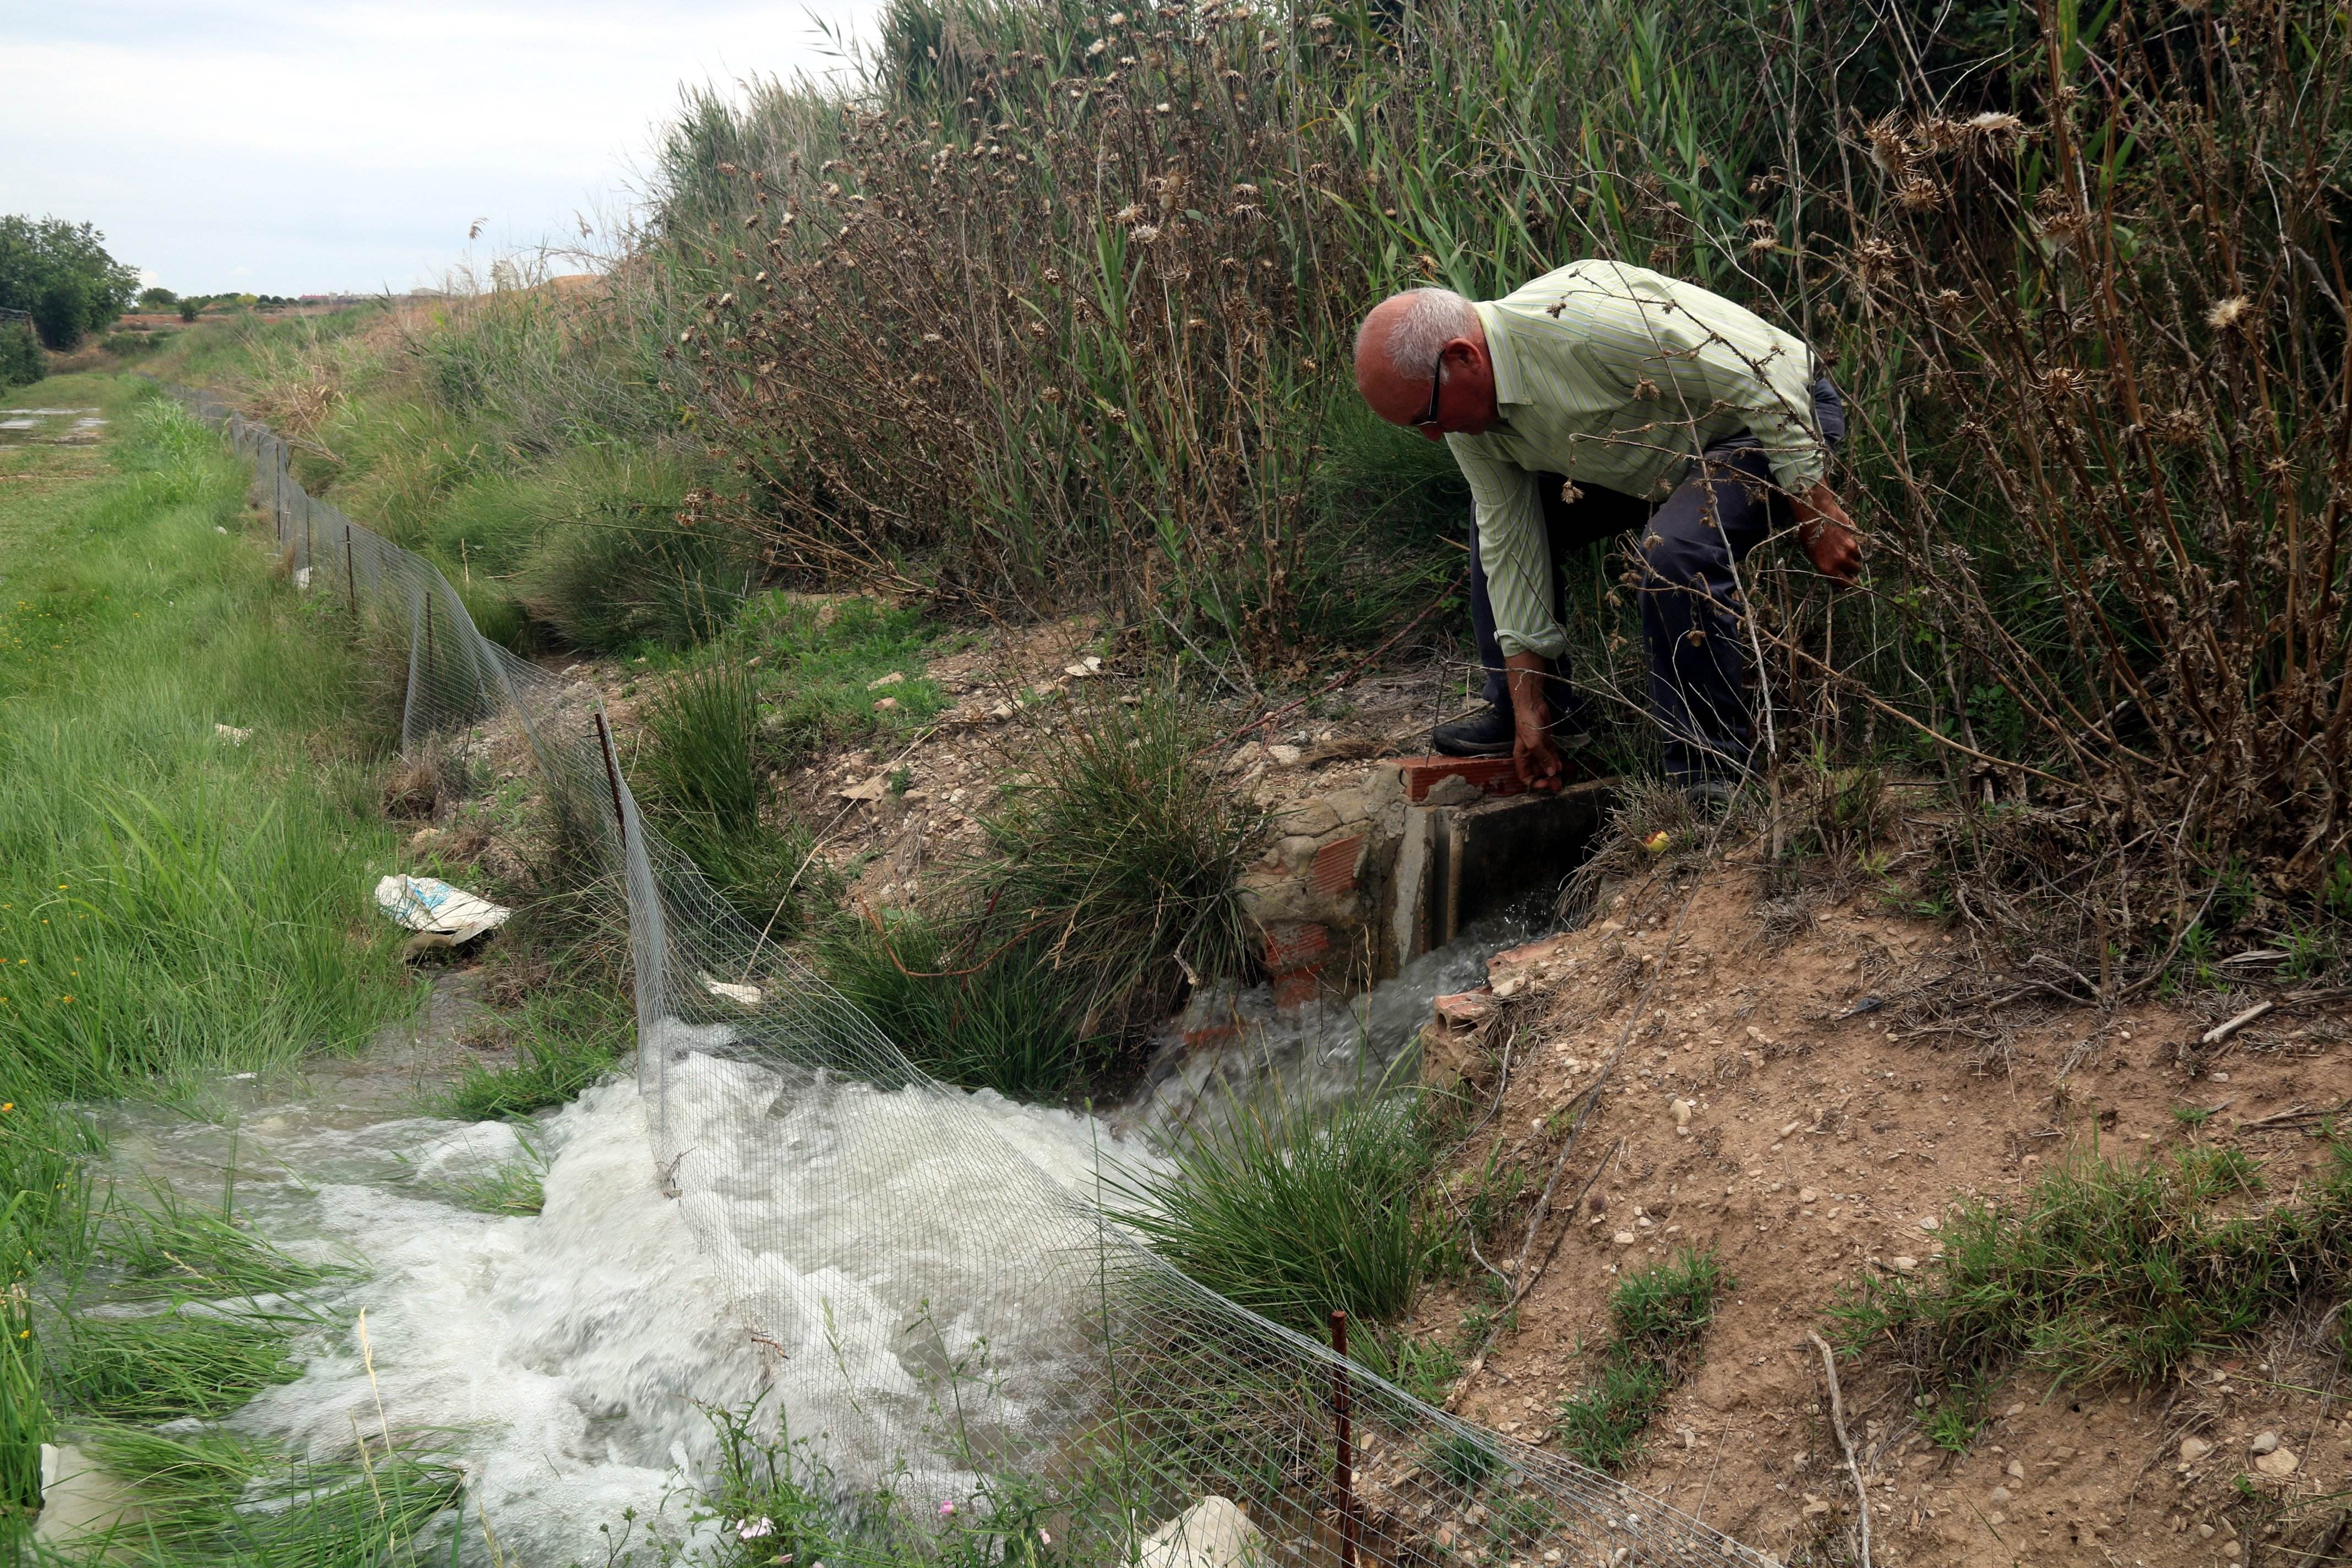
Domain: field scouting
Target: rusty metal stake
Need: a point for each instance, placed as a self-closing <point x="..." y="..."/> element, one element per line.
<point x="612" y="778"/>
<point x="1343" y="1462"/>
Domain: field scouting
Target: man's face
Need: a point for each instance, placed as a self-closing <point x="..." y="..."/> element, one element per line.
<point x="1462" y="400"/>
<point x="1456" y="397"/>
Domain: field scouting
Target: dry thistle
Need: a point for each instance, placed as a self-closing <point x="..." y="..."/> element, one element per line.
<point x="2227" y="314"/>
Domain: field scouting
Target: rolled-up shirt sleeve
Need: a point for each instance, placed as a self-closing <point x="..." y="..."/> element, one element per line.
<point x="1514" y="550"/>
<point x="1777" y="397"/>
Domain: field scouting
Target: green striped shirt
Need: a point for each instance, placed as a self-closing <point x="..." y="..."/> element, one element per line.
<point x="1618" y="376"/>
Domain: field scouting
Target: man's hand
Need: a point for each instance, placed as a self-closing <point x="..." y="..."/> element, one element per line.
<point x="1537" y="759"/>
<point x="1827" y="533"/>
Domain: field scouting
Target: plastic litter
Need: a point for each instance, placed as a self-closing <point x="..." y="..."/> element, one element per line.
<point x="743" y="996"/>
<point x="1212" y="1533"/>
<point x="232" y="734"/>
<point x="431" y="905"/>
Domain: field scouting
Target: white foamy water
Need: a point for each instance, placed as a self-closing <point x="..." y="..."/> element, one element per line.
<point x="569" y="1357"/>
<point x="899" y="1253"/>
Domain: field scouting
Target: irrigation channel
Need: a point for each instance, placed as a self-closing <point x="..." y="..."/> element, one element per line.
<point x="777" y="1212"/>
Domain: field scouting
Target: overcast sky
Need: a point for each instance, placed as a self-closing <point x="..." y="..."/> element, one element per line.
<point x="270" y="146"/>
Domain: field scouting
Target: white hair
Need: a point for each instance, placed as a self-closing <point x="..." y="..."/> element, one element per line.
<point x="1431" y="319"/>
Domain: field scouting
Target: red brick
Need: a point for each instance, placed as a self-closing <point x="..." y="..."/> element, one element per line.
<point x="1297" y="988"/>
<point x="1292" y="945"/>
<point x="1333" y="871"/>
<point x="1490" y="775"/>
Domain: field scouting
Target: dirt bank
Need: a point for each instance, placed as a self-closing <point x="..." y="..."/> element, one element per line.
<point x="1830" y="1114"/>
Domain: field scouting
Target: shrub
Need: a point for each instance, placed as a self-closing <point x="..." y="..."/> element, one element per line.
<point x="1007" y="1020"/>
<point x="1295" y="1209"/>
<point x="2108" y="1272"/>
<point x="1121" y="858"/>
<point x="21" y="362"/>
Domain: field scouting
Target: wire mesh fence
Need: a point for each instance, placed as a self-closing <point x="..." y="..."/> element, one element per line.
<point x="1004" y="1347"/>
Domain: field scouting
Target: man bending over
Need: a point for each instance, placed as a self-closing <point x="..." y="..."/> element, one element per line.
<point x="1598" y="399"/>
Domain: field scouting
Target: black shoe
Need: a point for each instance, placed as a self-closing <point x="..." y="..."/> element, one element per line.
<point x="1710" y="795"/>
<point x="1491" y="732"/>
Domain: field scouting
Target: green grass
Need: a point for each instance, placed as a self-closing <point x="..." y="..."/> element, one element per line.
<point x="171" y="1364"/>
<point x="1601" y="1424"/>
<point x="1659" y="1315"/>
<point x="704" y="777"/>
<point x="2109" y="1272"/>
<point x="1107" y="873"/>
<point x="1123" y="856"/>
<point x="1464" y="1461"/>
<point x="1295" y="1210"/>
<point x="219" y="1499"/>
<point x="820" y="661"/>
<point x="172" y="905"/>
<point x="565" y="1040"/>
<point x="168" y="1249"/>
<point x="1010" y="1024"/>
<point x="26" y="1422"/>
<point x="513" y="1187"/>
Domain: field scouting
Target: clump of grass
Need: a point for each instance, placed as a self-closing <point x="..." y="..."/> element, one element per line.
<point x="1009" y="1024"/>
<point x="1123" y="856"/>
<point x="173" y="1250"/>
<point x="569" y="1037"/>
<point x="707" y="780"/>
<point x="1109" y="878"/>
<point x="173" y="1363"/>
<point x="702" y="752"/>
<point x="219" y="1499"/>
<point x="1295" y="1210"/>
<point x="1659" y="1315"/>
<point x="1601" y="1424"/>
<point x="2108" y="1272"/>
<point x="1464" y="1461"/>
<point x="511" y="1188"/>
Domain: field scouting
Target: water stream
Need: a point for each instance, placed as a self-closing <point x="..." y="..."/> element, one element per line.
<point x="569" y="1357"/>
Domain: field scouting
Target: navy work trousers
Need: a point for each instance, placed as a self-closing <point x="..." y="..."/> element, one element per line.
<point x="1689" y="546"/>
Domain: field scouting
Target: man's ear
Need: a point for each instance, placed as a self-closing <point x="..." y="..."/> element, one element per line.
<point x="1461" y="353"/>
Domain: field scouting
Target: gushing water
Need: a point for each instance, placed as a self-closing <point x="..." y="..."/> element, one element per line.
<point x="569" y="1360"/>
<point x="569" y="1357"/>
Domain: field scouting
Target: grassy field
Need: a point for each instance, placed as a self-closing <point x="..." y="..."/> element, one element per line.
<point x="175" y="903"/>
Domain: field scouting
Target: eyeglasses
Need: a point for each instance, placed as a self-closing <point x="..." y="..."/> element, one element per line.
<point x="1427" y="423"/>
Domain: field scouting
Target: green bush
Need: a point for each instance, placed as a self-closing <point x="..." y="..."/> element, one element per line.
<point x="1295" y="1209"/>
<point x="1659" y="1315"/>
<point x="21" y="363"/>
<point x="2109" y="1272"/>
<point x="1006" y="1020"/>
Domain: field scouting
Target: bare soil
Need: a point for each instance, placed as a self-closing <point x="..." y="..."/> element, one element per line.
<point x="1825" y="1138"/>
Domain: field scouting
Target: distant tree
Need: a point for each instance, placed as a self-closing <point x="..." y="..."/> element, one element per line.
<point x="188" y="309"/>
<point x="62" y="273"/>
<point x="157" y="299"/>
